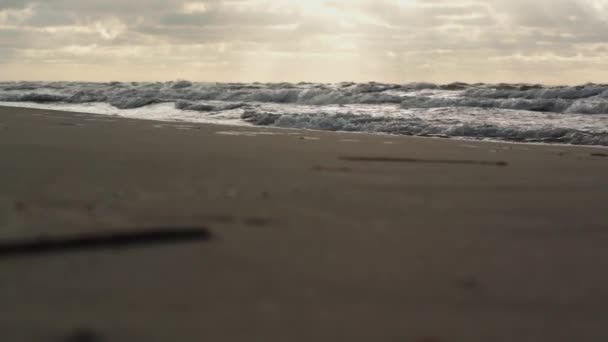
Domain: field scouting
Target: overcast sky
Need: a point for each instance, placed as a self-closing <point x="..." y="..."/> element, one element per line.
<point x="550" y="41"/>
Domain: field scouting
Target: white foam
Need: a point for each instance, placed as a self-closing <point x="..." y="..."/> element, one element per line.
<point x="517" y="112"/>
<point x="158" y="112"/>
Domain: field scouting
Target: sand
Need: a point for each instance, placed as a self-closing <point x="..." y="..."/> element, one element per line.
<point x="308" y="236"/>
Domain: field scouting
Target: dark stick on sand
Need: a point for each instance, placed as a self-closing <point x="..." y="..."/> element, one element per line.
<point x="425" y="161"/>
<point x="112" y="240"/>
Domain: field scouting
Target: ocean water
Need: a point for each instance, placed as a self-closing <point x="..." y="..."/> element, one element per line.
<point x="510" y="112"/>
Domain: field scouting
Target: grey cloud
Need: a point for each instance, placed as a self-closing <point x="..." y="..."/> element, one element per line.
<point x="444" y="39"/>
<point x="227" y="18"/>
<point x="6" y="4"/>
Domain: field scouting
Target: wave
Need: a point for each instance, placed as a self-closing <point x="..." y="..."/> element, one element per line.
<point x="585" y="99"/>
<point x="516" y="112"/>
<point x="205" y="107"/>
<point x="416" y="126"/>
<point x="134" y="95"/>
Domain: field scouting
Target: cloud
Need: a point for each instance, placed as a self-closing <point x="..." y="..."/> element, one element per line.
<point x="555" y="41"/>
<point x="16" y="15"/>
<point x="194" y="7"/>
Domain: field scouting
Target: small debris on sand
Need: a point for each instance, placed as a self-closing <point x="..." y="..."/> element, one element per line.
<point x="470" y="283"/>
<point x="21" y="207"/>
<point x="256" y="221"/>
<point x="331" y="168"/>
<point x="429" y="339"/>
<point x="70" y="124"/>
<point x="84" y="335"/>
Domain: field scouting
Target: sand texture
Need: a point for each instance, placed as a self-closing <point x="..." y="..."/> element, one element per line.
<point x="129" y="230"/>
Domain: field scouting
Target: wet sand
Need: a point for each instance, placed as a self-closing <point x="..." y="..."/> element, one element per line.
<point x="129" y="230"/>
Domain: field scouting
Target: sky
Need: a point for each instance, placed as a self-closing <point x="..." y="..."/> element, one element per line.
<point x="397" y="41"/>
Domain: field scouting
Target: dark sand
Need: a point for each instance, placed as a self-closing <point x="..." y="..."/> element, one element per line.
<point x="304" y="236"/>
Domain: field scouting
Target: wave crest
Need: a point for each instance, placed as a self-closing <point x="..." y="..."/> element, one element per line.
<point x="419" y="127"/>
<point x="586" y="99"/>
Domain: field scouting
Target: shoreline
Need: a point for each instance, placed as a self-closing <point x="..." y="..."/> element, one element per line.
<point x="248" y="125"/>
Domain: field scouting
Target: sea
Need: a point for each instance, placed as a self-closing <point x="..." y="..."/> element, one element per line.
<point x="525" y="113"/>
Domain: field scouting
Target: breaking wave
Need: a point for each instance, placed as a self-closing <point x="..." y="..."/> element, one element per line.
<point x="516" y="112"/>
<point x="420" y="127"/>
<point x="587" y="99"/>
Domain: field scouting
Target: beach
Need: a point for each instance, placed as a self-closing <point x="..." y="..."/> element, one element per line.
<point x="309" y="236"/>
